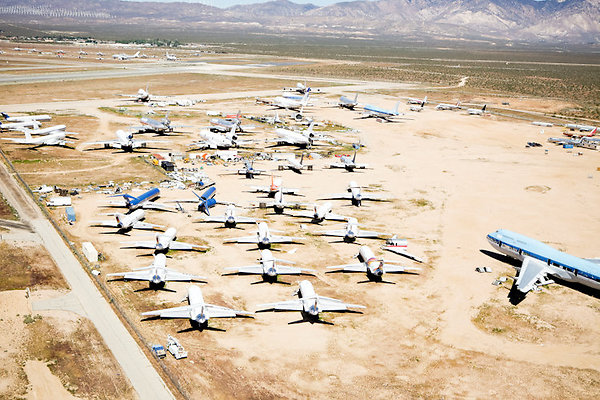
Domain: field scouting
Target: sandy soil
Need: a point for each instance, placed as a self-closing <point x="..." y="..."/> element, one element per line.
<point x="446" y="332"/>
<point x="44" y="385"/>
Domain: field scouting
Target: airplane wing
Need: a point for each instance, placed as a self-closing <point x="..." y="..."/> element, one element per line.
<point x="326" y="304"/>
<point x="361" y="267"/>
<point x="335" y="217"/>
<point x="338" y="196"/>
<point x="175" y="245"/>
<point x="369" y="234"/>
<point x="285" y="270"/>
<point x="110" y="142"/>
<point x="390" y="268"/>
<point x="337" y="165"/>
<point x="260" y="189"/>
<point x="305" y="214"/>
<point x="245" y="220"/>
<point x="173" y="275"/>
<point x="149" y="205"/>
<point x="290" y="305"/>
<point x="361" y="166"/>
<point x="401" y="251"/>
<point x="372" y="197"/>
<point x="533" y="273"/>
<point x="247" y="269"/>
<point x="174" y="312"/>
<point x="148" y="244"/>
<point x="289" y="190"/>
<point x="135" y="275"/>
<point x="283" y="239"/>
<point x="145" y="225"/>
<point x="111" y="224"/>
<point x="116" y="203"/>
<point x="333" y="232"/>
<point x="213" y="311"/>
<point x="244" y="239"/>
<point x="216" y="218"/>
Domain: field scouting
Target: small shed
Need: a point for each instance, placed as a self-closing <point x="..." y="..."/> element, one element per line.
<point x="89" y="251"/>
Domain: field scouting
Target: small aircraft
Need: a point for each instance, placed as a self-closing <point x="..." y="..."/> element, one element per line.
<point x="293" y="163"/>
<point x="382" y="114"/>
<point x="197" y="310"/>
<point x="354" y="194"/>
<point x="230" y="219"/>
<point x="399" y="246"/>
<point x="320" y="214"/>
<point x="157" y="274"/>
<point x="373" y="267"/>
<point x="145" y="201"/>
<point x="263" y="237"/>
<point x="125" y="57"/>
<point x="205" y="200"/>
<point x="127" y="222"/>
<point x="419" y="108"/>
<point x="164" y="242"/>
<point x="25" y="118"/>
<point x="301" y="88"/>
<point x="310" y="304"/>
<point x="125" y="142"/>
<point x="412" y="100"/>
<point x="351" y="232"/>
<point x="349" y="164"/>
<point x="540" y="263"/>
<point x="171" y="57"/>
<point x="445" y="106"/>
<point x="57" y="138"/>
<point x="18" y="126"/>
<point x="348" y="103"/>
<point x="269" y="268"/>
<point x="274" y="188"/>
<point x="477" y="111"/>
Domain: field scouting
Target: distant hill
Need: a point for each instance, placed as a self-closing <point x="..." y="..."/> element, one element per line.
<point x="575" y="21"/>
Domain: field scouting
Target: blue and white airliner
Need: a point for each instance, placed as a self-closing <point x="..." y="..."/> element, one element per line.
<point x="540" y="262"/>
<point x="145" y="201"/>
<point x="381" y="113"/>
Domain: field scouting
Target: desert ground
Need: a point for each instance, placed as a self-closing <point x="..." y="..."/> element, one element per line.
<point x="451" y="178"/>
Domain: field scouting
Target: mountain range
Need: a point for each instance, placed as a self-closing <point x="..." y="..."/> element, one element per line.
<point x="575" y="21"/>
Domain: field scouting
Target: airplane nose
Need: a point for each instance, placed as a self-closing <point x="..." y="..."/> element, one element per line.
<point x="156" y="279"/>
<point x="230" y="220"/>
<point x="271" y="272"/>
<point x="200" y="318"/>
<point x="265" y="241"/>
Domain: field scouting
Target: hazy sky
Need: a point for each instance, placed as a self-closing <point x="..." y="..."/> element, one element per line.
<point x="227" y="3"/>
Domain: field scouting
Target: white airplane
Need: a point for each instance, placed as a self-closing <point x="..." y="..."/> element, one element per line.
<point x="381" y="114"/>
<point x="445" y="106"/>
<point x="349" y="164"/>
<point x="164" y="242"/>
<point x="127" y="222"/>
<point x="279" y="204"/>
<point x="420" y="106"/>
<point x="544" y="124"/>
<point x="351" y="231"/>
<point x="581" y="128"/>
<point x="213" y="140"/>
<point x="125" y="142"/>
<point x="18" y="126"/>
<point x="24" y="118"/>
<point x="301" y="88"/>
<point x="399" y="246"/>
<point x="125" y="57"/>
<point x="310" y="304"/>
<point x="477" y="111"/>
<point x="274" y="188"/>
<point x="372" y="266"/>
<point x="270" y="268"/>
<point x="230" y="219"/>
<point x="161" y="127"/>
<point x="142" y="96"/>
<point x="348" y="103"/>
<point x="293" y="163"/>
<point x="412" y="100"/>
<point x="541" y="262"/>
<point x="57" y="138"/>
<point x="263" y="237"/>
<point x="291" y="104"/>
<point x="171" y="57"/>
<point x="48" y="130"/>
<point x="157" y="274"/>
<point x="304" y="139"/>
<point x="197" y="310"/>
<point x="320" y="214"/>
<point x="354" y="194"/>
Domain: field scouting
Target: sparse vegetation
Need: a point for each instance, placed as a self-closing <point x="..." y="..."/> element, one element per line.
<point x="28" y="267"/>
<point x="6" y="210"/>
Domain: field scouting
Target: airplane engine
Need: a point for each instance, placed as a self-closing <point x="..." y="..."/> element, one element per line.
<point x="298" y="116"/>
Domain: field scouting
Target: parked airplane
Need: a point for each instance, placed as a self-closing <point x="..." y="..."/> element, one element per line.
<point x="142" y="96"/>
<point x="127" y="222"/>
<point x="213" y="140"/>
<point x="125" y="142"/>
<point x="412" y="100"/>
<point x="157" y="274"/>
<point x="444" y="106"/>
<point x="581" y="128"/>
<point x="225" y="124"/>
<point x="48" y="130"/>
<point x="372" y="266"/>
<point x="269" y="268"/>
<point x="274" y="188"/>
<point x="164" y="242"/>
<point x="354" y="194"/>
<point x="320" y="214"/>
<point x="541" y="262"/>
<point x="545" y="124"/>
<point x="205" y="201"/>
<point x="279" y="204"/>
<point x="477" y="111"/>
<point x="263" y="237"/>
<point x="18" y="126"/>
<point x="399" y="246"/>
<point x="420" y="107"/>
<point x="351" y="232"/>
<point x="171" y="57"/>
<point x="303" y="139"/>
<point x="310" y="304"/>
<point x="161" y="127"/>
<point x="197" y="310"/>
<point x="384" y="115"/>
<point x="581" y="134"/>
<point x="301" y="88"/>
<point x="291" y="104"/>
<point x="24" y="118"/>
<point x="584" y="142"/>
<point x="125" y="57"/>
<point x="348" y="103"/>
<point x="230" y="219"/>
<point x="58" y="138"/>
<point x="293" y="163"/>
<point x="349" y="164"/>
<point x="145" y="201"/>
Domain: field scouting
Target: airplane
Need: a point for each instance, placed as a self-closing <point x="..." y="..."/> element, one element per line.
<point x="274" y="188"/>
<point x="279" y="204"/>
<point x="303" y="139"/>
<point x="145" y="201"/>
<point x="127" y="222"/>
<point x="269" y="268"/>
<point x="161" y="127"/>
<point x="125" y="57"/>
<point x="420" y="107"/>
<point x="225" y="124"/>
<point x="544" y="124"/>
<point x="163" y="242"/>
<point x="585" y="142"/>
<point x="24" y="118"/>
<point x="351" y="232"/>
<point x="290" y="104"/>
<point x="399" y="246"/>
<point x="412" y="100"/>
<point x="540" y="263"/>
<point x="197" y="310"/>
<point x="310" y="304"/>
<point x="48" y="130"/>
<point x="354" y="194"/>
<point x="215" y="140"/>
<point x="348" y="103"/>
<point x="230" y="219"/>
<point x="320" y="214"/>
<point x="349" y="164"/>
<point x="57" y="138"/>
<point x="125" y="142"/>
<point x="275" y="120"/>
<point x="301" y="88"/>
<point x="171" y="57"/>
<point x="263" y="237"/>
<point x="373" y="267"/>
<point x="581" y="128"/>
<point x="142" y="96"/>
<point x="580" y="134"/>
<point x="248" y="170"/>
<point x="477" y="111"/>
<point x="17" y="126"/>
<point x="205" y="200"/>
<point x="382" y="114"/>
<point x="293" y="163"/>
<point x="445" y="106"/>
<point x="157" y="274"/>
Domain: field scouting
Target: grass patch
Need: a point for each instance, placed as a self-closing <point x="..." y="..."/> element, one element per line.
<point x="421" y="203"/>
<point x="6" y="210"/>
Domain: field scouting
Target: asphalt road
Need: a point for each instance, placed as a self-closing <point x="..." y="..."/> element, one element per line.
<point x="136" y="366"/>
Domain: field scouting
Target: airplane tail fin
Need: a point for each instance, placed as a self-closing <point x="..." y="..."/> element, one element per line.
<point x="397" y="108"/>
<point x="356" y="97"/>
<point x="137" y="54"/>
<point x="301" y="158"/>
<point x="5" y="115"/>
<point x="305" y="98"/>
<point x="424" y="101"/>
<point x="354" y="158"/>
<point x="592" y="133"/>
<point x="483" y="108"/>
<point x="27" y="134"/>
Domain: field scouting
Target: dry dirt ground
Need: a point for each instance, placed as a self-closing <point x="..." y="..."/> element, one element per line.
<point x="445" y="332"/>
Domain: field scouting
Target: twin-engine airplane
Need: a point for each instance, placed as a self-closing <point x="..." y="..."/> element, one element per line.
<point x="163" y="242"/>
<point x="354" y="194"/>
<point x="270" y="267"/>
<point x="125" y="142"/>
<point x="145" y="201"/>
<point x="127" y="222"/>
<point x="263" y="237"/>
